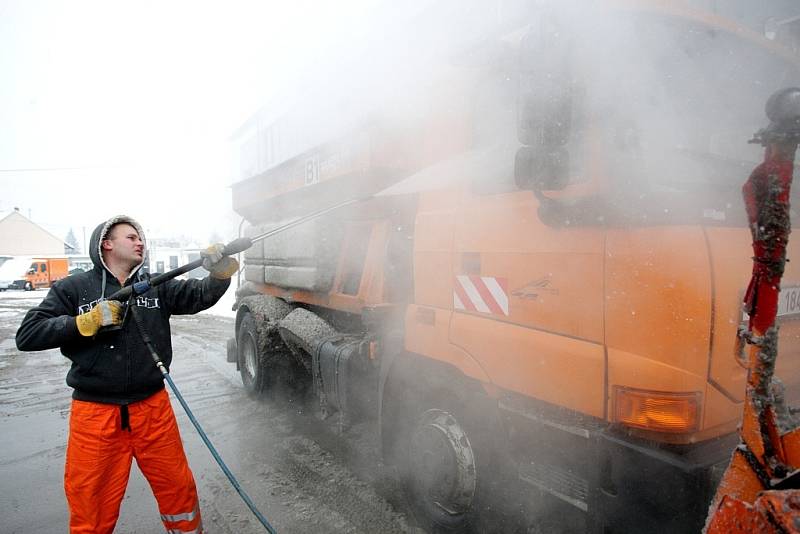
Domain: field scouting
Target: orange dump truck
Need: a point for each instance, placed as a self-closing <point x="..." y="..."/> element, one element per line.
<point x="44" y="271"/>
<point x="536" y="300"/>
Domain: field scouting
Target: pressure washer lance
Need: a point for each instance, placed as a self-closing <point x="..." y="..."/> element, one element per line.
<point x="234" y="247"/>
<point x="138" y="288"/>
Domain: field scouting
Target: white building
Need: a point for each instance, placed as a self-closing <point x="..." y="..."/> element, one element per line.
<point x="80" y="262"/>
<point x="19" y="236"/>
<point x="162" y="259"/>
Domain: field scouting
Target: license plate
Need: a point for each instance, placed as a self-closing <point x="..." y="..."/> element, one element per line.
<point x="788" y="303"/>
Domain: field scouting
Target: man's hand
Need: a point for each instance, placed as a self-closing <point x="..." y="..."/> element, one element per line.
<point x="105" y="313"/>
<point x="220" y="267"/>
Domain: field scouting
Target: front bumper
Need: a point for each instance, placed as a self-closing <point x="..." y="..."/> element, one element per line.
<point x="643" y="488"/>
<point x="614" y="482"/>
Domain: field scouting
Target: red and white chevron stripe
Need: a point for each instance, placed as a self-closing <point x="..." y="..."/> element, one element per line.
<point x="484" y="294"/>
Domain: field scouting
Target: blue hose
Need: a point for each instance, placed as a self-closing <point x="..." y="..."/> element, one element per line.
<point x="217" y="457"/>
<point x="161" y="367"/>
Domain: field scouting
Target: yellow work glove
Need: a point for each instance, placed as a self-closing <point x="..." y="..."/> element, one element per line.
<point x="220" y="267"/>
<point x="105" y="313"/>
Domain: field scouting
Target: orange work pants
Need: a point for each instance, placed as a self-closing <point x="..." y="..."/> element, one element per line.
<point x="99" y="454"/>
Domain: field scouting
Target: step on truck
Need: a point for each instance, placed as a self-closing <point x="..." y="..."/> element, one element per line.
<point x="532" y="289"/>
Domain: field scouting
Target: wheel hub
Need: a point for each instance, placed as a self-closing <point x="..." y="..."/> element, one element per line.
<point x="442" y="462"/>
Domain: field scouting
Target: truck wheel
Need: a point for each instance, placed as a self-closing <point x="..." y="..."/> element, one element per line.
<point x="252" y="362"/>
<point x="442" y="471"/>
<point x="28" y="286"/>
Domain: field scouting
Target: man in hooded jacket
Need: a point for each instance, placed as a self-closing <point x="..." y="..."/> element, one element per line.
<point x="120" y="409"/>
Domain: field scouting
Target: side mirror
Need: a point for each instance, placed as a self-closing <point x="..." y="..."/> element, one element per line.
<point x="545" y="117"/>
<point x="541" y="168"/>
<point x="544" y="109"/>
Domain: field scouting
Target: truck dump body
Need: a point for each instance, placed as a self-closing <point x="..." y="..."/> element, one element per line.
<point x="548" y="264"/>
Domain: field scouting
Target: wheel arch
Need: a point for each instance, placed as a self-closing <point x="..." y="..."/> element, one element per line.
<point x="263" y="307"/>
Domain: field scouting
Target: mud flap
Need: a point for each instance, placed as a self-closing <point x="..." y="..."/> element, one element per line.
<point x="230" y="347"/>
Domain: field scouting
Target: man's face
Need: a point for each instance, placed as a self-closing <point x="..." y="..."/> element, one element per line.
<point x="123" y="245"/>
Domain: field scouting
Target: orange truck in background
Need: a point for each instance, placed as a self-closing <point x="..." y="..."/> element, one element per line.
<point x="44" y="271"/>
<point x="535" y="302"/>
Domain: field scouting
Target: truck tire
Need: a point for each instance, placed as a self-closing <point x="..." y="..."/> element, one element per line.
<point x="446" y="466"/>
<point x="252" y="361"/>
<point x="28" y="286"/>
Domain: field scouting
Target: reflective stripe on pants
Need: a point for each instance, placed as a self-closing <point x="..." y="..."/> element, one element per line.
<point x="189" y="516"/>
<point x="176" y="523"/>
<point x="198" y="531"/>
<point x="99" y="454"/>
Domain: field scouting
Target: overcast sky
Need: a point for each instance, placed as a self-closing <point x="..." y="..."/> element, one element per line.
<point x="126" y="107"/>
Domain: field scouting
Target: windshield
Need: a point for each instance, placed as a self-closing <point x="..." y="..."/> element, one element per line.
<point x="682" y="102"/>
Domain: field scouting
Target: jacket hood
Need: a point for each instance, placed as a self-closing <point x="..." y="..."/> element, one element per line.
<point x="100" y="233"/>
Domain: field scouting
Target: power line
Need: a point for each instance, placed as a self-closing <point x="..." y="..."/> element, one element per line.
<point x="48" y="169"/>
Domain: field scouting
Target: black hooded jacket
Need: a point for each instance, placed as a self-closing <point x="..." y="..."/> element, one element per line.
<point x="114" y="366"/>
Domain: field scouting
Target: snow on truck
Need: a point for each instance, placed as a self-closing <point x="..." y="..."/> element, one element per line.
<point x="532" y="286"/>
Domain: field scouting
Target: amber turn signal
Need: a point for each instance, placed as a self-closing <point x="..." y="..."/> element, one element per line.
<point x="657" y="410"/>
